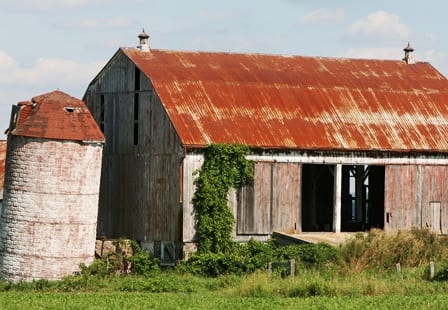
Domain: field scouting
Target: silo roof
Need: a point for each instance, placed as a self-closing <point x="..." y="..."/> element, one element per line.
<point x="297" y="102"/>
<point x="56" y="115"/>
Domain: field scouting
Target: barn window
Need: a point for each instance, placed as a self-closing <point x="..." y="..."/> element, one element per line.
<point x="136" y="99"/>
<point x="136" y="103"/>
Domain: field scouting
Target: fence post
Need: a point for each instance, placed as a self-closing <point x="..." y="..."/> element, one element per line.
<point x="292" y="267"/>
<point x="398" y="266"/>
<point x="270" y="267"/>
<point x="431" y="270"/>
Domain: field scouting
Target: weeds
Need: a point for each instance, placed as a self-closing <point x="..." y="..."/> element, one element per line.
<point x="383" y="250"/>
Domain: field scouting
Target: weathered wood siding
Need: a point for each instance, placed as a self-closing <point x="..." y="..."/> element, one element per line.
<point x="286" y="201"/>
<point x="271" y="203"/>
<point x="416" y="197"/>
<point x="191" y="164"/>
<point x="435" y="198"/>
<point x="140" y="188"/>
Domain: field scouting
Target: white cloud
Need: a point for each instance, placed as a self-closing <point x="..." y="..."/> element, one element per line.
<point x="438" y="59"/>
<point x="20" y="83"/>
<point x="103" y="22"/>
<point x="6" y="62"/>
<point x="375" y="53"/>
<point x="323" y="15"/>
<point x="51" y="72"/>
<point x="47" y="4"/>
<point x="381" y="23"/>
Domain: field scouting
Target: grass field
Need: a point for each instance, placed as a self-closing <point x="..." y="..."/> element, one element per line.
<point x="360" y="275"/>
<point x="213" y="300"/>
<point x="310" y="289"/>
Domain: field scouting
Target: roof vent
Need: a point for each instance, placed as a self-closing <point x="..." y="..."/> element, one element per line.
<point x="408" y="57"/>
<point x="144" y="45"/>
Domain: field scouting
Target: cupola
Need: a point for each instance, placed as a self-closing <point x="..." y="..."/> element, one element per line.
<point x="408" y="56"/>
<point x="143" y="37"/>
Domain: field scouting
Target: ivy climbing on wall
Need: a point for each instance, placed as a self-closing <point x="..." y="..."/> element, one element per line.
<point x="225" y="166"/>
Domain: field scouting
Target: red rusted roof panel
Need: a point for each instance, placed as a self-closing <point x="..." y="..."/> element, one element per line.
<point x="56" y="115"/>
<point x="299" y="102"/>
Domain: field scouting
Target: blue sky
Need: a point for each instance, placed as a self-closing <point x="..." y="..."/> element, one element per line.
<point x="62" y="44"/>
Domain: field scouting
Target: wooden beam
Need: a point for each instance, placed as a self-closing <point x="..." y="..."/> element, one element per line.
<point x="337" y="198"/>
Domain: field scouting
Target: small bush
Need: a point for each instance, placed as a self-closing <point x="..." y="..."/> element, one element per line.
<point x="254" y="255"/>
<point x="211" y="264"/>
<point x="442" y="273"/>
<point x="141" y="261"/>
<point x="310" y="255"/>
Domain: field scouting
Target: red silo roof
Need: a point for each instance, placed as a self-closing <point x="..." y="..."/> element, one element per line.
<point x="295" y="102"/>
<point x="56" y="115"/>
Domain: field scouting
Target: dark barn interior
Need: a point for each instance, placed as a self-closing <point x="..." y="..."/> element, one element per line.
<point x="362" y="197"/>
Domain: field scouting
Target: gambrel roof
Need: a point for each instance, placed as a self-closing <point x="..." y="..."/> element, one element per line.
<point x="294" y="102"/>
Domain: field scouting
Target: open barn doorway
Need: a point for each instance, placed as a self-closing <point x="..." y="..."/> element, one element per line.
<point x="362" y="197"/>
<point x="317" y="197"/>
<point x="362" y="204"/>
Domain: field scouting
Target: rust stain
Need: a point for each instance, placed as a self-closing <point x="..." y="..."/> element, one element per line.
<point x="296" y="102"/>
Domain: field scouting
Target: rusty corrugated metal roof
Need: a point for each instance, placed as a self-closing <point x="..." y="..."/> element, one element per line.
<point x="56" y="115"/>
<point x="2" y="165"/>
<point x="295" y="102"/>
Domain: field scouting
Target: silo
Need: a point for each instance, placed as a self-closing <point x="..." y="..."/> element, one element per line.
<point x="51" y="187"/>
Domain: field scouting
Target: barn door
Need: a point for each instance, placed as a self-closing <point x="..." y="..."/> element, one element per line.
<point x="400" y="201"/>
<point x="272" y="202"/>
<point x="285" y="197"/>
<point x="254" y="203"/>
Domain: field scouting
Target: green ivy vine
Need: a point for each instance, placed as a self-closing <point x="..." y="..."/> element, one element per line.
<point x="225" y="166"/>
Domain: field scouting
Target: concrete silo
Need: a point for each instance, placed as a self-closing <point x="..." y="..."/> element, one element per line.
<point x="52" y="175"/>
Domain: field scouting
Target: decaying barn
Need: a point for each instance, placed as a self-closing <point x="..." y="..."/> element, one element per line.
<point x="338" y="144"/>
<point x="50" y="207"/>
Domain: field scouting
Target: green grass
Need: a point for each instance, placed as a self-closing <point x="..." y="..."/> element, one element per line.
<point x="213" y="300"/>
<point x="310" y="289"/>
<point x="359" y="275"/>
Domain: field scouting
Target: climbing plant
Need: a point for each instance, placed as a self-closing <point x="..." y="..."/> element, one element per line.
<point x="224" y="167"/>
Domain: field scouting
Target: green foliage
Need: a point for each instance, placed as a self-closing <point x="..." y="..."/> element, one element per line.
<point x="254" y="255"/>
<point x="141" y="261"/>
<point x="310" y="255"/>
<point x="442" y="273"/>
<point x="225" y="166"/>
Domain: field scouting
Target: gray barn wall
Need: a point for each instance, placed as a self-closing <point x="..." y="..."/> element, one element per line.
<point x="140" y="193"/>
<point x="416" y="196"/>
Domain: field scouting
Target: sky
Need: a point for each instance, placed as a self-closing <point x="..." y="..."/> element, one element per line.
<point x="62" y="44"/>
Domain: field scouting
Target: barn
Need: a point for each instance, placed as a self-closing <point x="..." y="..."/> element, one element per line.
<point x="337" y="144"/>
